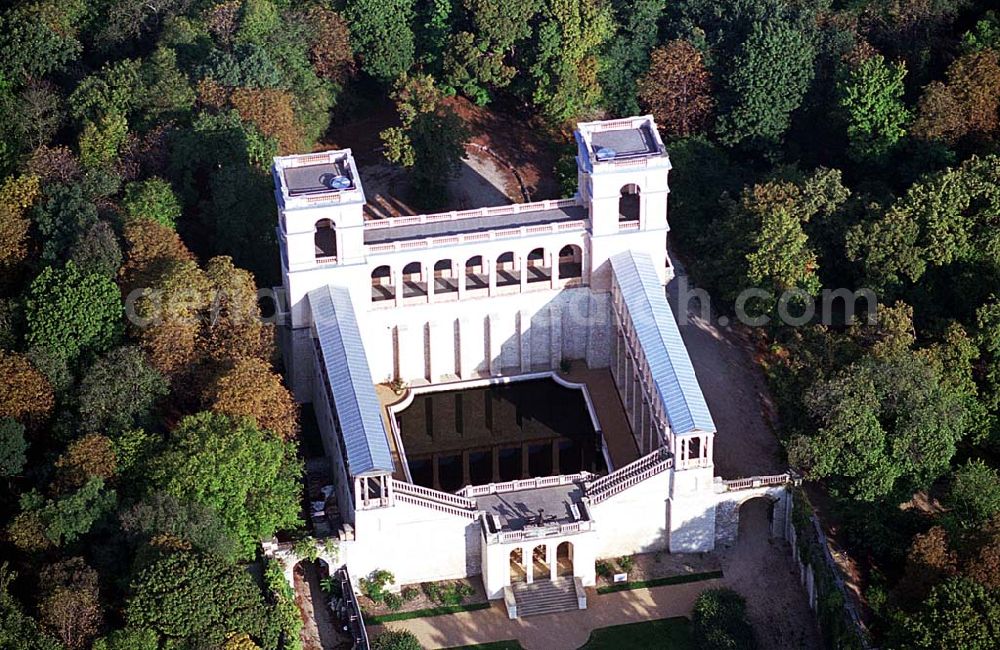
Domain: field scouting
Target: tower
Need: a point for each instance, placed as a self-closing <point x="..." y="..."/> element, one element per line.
<point x="622" y="170"/>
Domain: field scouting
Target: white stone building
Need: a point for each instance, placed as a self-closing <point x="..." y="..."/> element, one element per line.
<point x="494" y="294"/>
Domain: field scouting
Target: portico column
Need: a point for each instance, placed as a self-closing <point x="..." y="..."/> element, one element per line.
<point x="554" y="270"/>
<point x="527" y="554"/>
<point x="397" y="280"/>
<point x="460" y="278"/>
<point x="553" y="559"/>
<point x="489" y="268"/>
<point x="523" y="268"/>
<point x="456" y="267"/>
<point x="428" y="273"/>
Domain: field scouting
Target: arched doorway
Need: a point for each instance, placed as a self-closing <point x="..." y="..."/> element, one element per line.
<point x="507" y="274"/>
<point x="756" y="516"/>
<point x="537" y="271"/>
<point x="540" y="563"/>
<point x="325" y="241"/>
<point x="628" y="203"/>
<point x="414" y="284"/>
<point x="444" y="277"/>
<point x="564" y="559"/>
<point x="475" y="278"/>
<point x="382" y="288"/>
<point x="518" y="572"/>
<point x="570" y="262"/>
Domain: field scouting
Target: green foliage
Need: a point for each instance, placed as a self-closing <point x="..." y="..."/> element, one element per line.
<point x="152" y="199"/>
<point x="247" y="476"/>
<point x="66" y="519"/>
<point x="97" y="252"/>
<point x="115" y="90"/>
<point x="395" y="640"/>
<point x="604" y="569"/>
<point x="18" y="631"/>
<point x="766" y="84"/>
<point x="974" y="495"/>
<point x="381" y="36"/>
<point x="286" y="612"/>
<point x="101" y="141"/>
<point x="719" y="621"/>
<point x="117" y="393"/>
<point x="71" y="314"/>
<point x="128" y="639"/>
<point x="37" y="39"/>
<point x="192" y="599"/>
<point x="374" y="585"/>
<point x="181" y="518"/>
<point x="883" y="424"/>
<point x="257" y="20"/>
<point x="626" y="562"/>
<point x="63" y="214"/>
<point x="957" y="614"/>
<point x="12" y="447"/>
<point x="871" y="97"/>
<point x="985" y="35"/>
<point x="452" y="593"/>
<point x="626" y="57"/>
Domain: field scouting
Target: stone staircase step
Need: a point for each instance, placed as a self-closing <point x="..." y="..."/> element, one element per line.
<point x="545" y="597"/>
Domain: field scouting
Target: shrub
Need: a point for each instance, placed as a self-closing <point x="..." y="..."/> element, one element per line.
<point x="719" y="621"/>
<point x="626" y="562"/>
<point x="395" y="640"/>
<point x="604" y="569"/>
<point x="152" y="199"/>
<point x="392" y="601"/>
<point x="374" y="585"/>
<point x="410" y="593"/>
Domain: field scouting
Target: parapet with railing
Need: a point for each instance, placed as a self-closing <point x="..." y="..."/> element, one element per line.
<point x="434" y="499"/>
<point x="454" y="215"/>
<point x="753" y="482"/>
<point x="632" y="474"/>
<point x="524" y="484"/>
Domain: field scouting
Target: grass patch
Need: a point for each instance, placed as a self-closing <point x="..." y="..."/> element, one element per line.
<point x="493" y="645"/>
<point x="423" y="613"/>
<point x="659" y="582"/>
<point x="667" y="633"/>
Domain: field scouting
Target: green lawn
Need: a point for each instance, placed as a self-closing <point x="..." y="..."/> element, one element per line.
<point x="666" y="633"/>
<point x="423" y="613"/>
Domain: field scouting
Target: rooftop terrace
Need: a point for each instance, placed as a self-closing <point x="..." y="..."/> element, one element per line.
<point x="525" y="509"/>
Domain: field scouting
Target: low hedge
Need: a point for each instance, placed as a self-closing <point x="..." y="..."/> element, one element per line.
<point x="659" y="582"/>
<point x="423" y="613"/>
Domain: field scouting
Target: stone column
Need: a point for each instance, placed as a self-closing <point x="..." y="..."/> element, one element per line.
<point x="397" y="281"/>
<point x="554" y="269"/>
<point x="529" y="564"/>
<point x="522" y="262"/>
<point x="552" y="556"/>
<point x="428" y="274"/>
<point x="460" y="279"/>
<point x="490" y="269"/>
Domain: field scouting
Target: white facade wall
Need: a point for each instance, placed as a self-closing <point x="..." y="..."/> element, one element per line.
<point x="635" y="520"/>
<point x="415" y="543"/>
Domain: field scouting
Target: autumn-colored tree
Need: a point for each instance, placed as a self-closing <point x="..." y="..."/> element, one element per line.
<point x="677" y="90"/>
<point x="966" y="105"/>
<point x="170" y="345"/>
<point x="271" y="111"/>
<point x="330" y="46"/>
<point x="25" y="393"/>
<point x="70" y="605"/>
<point x="984" y="566"/>
<point x="252" y="389"/>
<point x="928" y="563"/>
<point x="17" y="194"/>
<point x="56" y="164"/>
<point x="232" y="327"/>
<point x="149" y="247"/>
<point x="91" y="456"/>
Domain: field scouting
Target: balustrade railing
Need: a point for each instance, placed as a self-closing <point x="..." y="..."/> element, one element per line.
<point x="629" y="475"/>
<point x="402" y="487"/>
<point x="465" y="238"/>
<point x="513" y="208"/>
<point x="538" y="532"/>
<point x="523" y="484"/>
<point x="759" y="481"/>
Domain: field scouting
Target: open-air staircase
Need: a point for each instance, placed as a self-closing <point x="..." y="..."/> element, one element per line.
<point x="545" y="597"/>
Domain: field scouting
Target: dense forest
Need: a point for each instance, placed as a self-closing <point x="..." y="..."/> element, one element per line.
<point x="147" y="439"/>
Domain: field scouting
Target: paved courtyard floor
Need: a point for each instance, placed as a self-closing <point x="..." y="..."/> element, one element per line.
<point x="564" y="631"/>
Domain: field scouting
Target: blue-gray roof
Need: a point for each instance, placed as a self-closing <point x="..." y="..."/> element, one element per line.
<point x="358" y="408"/>
<point x="661" y="342"/>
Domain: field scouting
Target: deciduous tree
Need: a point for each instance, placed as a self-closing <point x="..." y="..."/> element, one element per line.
<point x="382" y="37"/>
<point x="152" y="199"/>
<point x="12" y="448"/>
<point x="870" y="94"/>
<point x="118" y="392"/>
<point x="72" y="314"/>
<point x="92" y="456"/>
<point x="677" y="89"/>
<point x="966" y="105"/>
<point x="251" y="389"/>
<point x="250" y="478"/>
<point x="25" y="393"/>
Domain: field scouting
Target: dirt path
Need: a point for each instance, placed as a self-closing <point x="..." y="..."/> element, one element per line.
<point x="319" y="632"/>
<point x="760" y="568"/>
<point x="734" y="387"/>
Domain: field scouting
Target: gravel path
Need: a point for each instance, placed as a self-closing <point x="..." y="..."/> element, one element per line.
<point x="734" y="387"/>
<point x="760" y="568"/>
